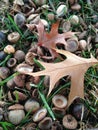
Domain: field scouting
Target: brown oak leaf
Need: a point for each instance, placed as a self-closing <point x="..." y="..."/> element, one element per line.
<point x="74" y="66"/>
<point x="49" y="40"/>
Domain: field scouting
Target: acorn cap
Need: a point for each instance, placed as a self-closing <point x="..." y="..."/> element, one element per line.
<point x="45" y="124"/>
<point x="69" y="122"/>
<point x="24" y="68"/>
<point x="40" y="114"/>
<point x="59" y="101"/>
<point x="16" y="107"/>
<point x="11" y="62"/>
<point x="58" y="111"/>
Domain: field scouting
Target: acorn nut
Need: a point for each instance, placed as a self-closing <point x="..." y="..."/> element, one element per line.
<point x="82" y="44"/>
<point x="2" y="38"/>
<point x="9" y="49"/>
<point x="19" y="19"/>
<point x="2" y="55"/>
<point x="40" y="2"/>
<point x="69" y="122"/>
<point x="16" y="114"/>
<point x="13" y="37"/>
<point x="72" y="45"/>
<point x="79" y="111"/>
<point x="19" y="55"/>
<point x="4" y="72"/>
<point x="31" y="105"/>
<point x="59" y="101"/>
<point x="74" y="19"/>
<point x="61" y="10"/>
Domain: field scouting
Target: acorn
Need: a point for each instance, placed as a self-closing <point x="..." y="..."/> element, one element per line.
<point x="30" y="126"/>
<point x="56" y="125"/>
<point x="45" y="23"/>
<point x="1" y="113"/>
<point x="40" y="2"/>
<point x="11" y="84"/>
<point x="16" y="114"/>
<point x="69" y="122"/>
<point x="71" y="1"/>
<point x="4" y="72"/>
<point x="9" y="49"/>
<point x="19" y="80"/>
<point x="19" y="19"/>
<point x="59" y="101"/>
<point x="79" y="111"/>
<point x="45" y="124"/>
<point x="65" y="25"/>
<point x="50" y="16"/>
<point x="76" y="7"/>
<point x="11" y="62"/>
<point x="82" y="44"/>
<point x="72" y="44"/>
<point x="18" y="2"/>
<point x="1" y="128"/>
<point x="13" y="37"/>
<point x="2" y="55"/>
<point x="21" y="96"/>
<point x="74" y="19"/>
<point x="61" y="10"/>
<point x="19" y="55"/>
<point x="31" y="105"/>
<point x="29" y="58"/>
<point x="2" y="37"/>
<point x="58" y="112"/>
<point x="39" y="115"/>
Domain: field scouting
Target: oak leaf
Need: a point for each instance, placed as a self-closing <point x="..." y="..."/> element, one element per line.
<point x="74" y="66"/>
<point x="49" y="40"/>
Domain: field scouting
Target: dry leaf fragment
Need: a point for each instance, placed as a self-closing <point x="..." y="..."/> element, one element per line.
<point x="49" y="40"/>
<point x="74" y="66"/>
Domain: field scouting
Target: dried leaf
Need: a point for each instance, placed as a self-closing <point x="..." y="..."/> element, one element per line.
<point x="74" y="66"/>
<point x="49" y="40"/>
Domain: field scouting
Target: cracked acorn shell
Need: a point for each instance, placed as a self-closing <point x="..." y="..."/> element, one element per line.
<point x="16" y="114"/>
<point x="13" y="37"/>
<point x="69" y="122"/>
<point x="39" y="115"/>
<point x="61" y="10"/>
<point x="29" y="58"/>
<point x="31" y="105"/>
<point x="9" y="49"/>
<point x="59" y="101"/>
